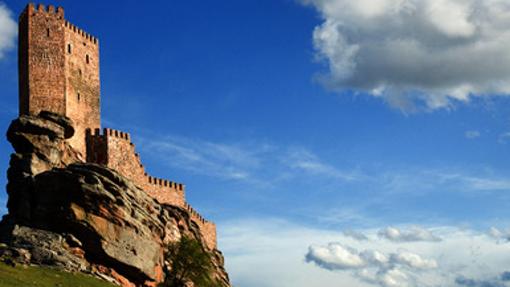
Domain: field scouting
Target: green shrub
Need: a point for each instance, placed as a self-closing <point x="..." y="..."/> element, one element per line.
<point x="188" y="262"/>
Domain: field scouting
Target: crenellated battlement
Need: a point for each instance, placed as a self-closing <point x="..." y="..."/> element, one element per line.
<point x="58" y="12"/>
<point x="32" y="9"/>
<point x="195" y="213"/>
<point x="81" y="32"/>
<point x="113" y="133"/>
<point x="163" y="182"/>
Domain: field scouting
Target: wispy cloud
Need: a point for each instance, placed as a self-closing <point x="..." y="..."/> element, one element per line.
<point x="355" y="235"/>
<point x="472" y="134"/>
<point x="504" y="138"/>
<point x="303" y="160"/>
<point x="453" y="179"/>
<point x="231" y="161"/>
<point x="245" y="161"/>
<point x="8" y="30"/>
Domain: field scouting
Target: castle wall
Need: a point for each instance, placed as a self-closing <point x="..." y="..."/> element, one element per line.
<point x="114" y="149"/>
<point x="82" y="82"/>
<point x="207" y="228"/>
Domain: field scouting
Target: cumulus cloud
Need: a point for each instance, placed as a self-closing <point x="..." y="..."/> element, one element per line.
<point x="335" y="256"/>
<point x="413" y="234"/>
<point x="372" y="266"/>
<point x="415" y="53"/>
<point x="8" y="30"/>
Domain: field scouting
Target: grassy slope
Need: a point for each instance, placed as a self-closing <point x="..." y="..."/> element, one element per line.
<point x="45" y="277"/>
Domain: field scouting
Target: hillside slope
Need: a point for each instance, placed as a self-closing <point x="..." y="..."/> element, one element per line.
<point x="45" y="277"/>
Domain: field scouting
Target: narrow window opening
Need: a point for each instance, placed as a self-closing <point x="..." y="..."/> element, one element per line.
<point x="87" y="59"/>
<point x="69" y="48"/>
<point x="79" y="72"/>
<point x="78" y="96"/>
<point x="48" y="32"/>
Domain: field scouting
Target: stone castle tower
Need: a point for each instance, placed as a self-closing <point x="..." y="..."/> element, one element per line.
<point x="59" y="72"/>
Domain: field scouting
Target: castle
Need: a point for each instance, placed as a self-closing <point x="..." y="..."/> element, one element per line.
<point x="59" y="72"/>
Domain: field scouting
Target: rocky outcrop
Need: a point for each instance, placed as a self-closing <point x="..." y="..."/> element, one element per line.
<point x="85" y="217"/>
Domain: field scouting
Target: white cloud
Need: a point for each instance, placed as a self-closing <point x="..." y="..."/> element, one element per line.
<point x="413" y="260"/>
<point x="355" y="235"/>
<point x="270" y="252"/>
<point x="451" y="179"/>
<point x="500" y="281"/>
<point x="472" y="134"/>
<point x="412" y="234"/>
<point x="373" y="266"/>
<point x="335" y="256"/>
<point x="303" y="160"/>
<point x="500" y="235"/>
<point x="8" y="30"/>
<point x="504" y="137"/>
<point x="415" y="53"/>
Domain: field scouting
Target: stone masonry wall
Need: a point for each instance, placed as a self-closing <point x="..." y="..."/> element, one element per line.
<point x="41" y="60"/>
<point x="114" y="149"/>
<point x="207" y="228"/>
<point x="58" y="69"/>
<point x="82" y="82"/>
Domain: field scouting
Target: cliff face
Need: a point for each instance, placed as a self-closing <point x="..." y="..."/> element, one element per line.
<point x="85" y="217"/>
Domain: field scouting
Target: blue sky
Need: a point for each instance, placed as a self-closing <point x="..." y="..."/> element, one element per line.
<point x="299" y="124"/>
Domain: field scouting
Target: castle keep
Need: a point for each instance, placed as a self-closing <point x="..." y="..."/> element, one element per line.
<point x="59" y="72"/>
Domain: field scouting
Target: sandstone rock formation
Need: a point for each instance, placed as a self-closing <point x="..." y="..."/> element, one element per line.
<point x="85" y="217"/>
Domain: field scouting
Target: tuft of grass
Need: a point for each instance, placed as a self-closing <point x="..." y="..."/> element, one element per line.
<point x="28" y="276"/>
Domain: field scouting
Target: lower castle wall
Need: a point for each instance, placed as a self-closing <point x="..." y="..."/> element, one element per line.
<point x="207" y="228"/>
<point x="209" y="233"/>
<point x="115" y="150"/>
